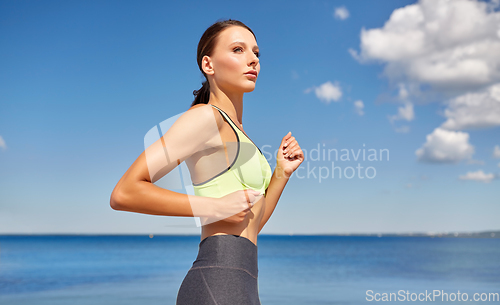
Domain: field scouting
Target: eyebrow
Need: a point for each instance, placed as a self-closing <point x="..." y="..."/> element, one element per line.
<point x="241" y="42"/>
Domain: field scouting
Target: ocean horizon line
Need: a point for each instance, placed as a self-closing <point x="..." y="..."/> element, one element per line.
<point x="474" y="234"/>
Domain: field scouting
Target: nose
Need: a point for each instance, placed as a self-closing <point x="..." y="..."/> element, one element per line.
<point x="254" y="60"/>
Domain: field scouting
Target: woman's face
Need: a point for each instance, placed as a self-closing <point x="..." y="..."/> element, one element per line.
<point x="234" y="55"/>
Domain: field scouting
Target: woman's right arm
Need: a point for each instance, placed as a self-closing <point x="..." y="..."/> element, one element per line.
<point x="135" y="191"/>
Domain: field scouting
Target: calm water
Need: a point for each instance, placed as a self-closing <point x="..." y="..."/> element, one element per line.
<point x="292" y="269"/>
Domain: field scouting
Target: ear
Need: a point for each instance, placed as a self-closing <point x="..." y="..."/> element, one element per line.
<point x="206" y="65"/>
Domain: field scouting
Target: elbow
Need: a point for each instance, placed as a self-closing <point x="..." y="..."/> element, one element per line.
<point x="117" y="200"/>
<point x="114" y="204"/>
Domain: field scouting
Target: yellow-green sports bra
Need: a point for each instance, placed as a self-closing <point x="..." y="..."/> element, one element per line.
<point x="249" y="170"/>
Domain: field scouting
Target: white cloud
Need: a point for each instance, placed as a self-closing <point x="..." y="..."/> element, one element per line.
<point x="478" y="176"/>
<point x="447" y="44"/>
<point x="341" y="13"/>
<point x="496" y="152"/>
<point x="405" y="112"/>
<point x="441" y="50"/>
<point x="327" y="92"/>
<point x="403" y="92"/>
<point x="3" y="145"/>
<point x="474" y="110"/>
<point x="355" y="55"/>
<point x="358" y="107"/>
<point x="444" y="146"/>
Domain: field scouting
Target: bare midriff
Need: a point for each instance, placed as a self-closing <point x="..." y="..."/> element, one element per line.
<point x="248" y="228"/>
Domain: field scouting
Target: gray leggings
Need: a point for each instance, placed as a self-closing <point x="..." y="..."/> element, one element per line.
<point x="224" y="273"/>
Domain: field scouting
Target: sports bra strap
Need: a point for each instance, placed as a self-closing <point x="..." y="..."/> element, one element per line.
<point x="236" y="129"/>
<point x="228" y="119"/>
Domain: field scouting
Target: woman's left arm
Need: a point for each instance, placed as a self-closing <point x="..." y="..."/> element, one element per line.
<point x="289" y="157"/>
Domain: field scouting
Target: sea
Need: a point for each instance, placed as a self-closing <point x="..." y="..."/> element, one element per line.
<point x="293" y="270"/>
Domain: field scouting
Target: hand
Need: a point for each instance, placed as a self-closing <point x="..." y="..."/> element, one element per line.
<point x="235" y="206"/>
<point x="290" y="155"/>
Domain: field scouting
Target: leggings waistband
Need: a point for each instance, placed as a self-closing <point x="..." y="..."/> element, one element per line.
<point x="227" y="250"/>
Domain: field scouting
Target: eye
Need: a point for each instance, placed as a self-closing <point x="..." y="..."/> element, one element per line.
<point x="241" y="49"/>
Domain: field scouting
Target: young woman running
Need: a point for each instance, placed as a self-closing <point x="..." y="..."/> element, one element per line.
<point x="234" y="190"/>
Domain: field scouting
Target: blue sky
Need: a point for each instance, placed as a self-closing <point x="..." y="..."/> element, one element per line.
<point x="83" y="81"/>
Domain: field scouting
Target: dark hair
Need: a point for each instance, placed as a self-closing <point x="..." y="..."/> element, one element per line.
<point x="205" y="47"/>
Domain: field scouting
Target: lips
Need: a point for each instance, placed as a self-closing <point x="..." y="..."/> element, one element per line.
<point x="253" y="72"/>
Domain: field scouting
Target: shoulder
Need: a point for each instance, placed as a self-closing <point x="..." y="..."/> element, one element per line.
<point x="193" y="129"/>
<point x="204" y="114"/>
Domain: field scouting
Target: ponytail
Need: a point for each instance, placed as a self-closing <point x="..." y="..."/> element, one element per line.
<point x="202" y="95"/>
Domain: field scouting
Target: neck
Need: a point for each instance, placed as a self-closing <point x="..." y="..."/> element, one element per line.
<point x="231" y="103"/>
